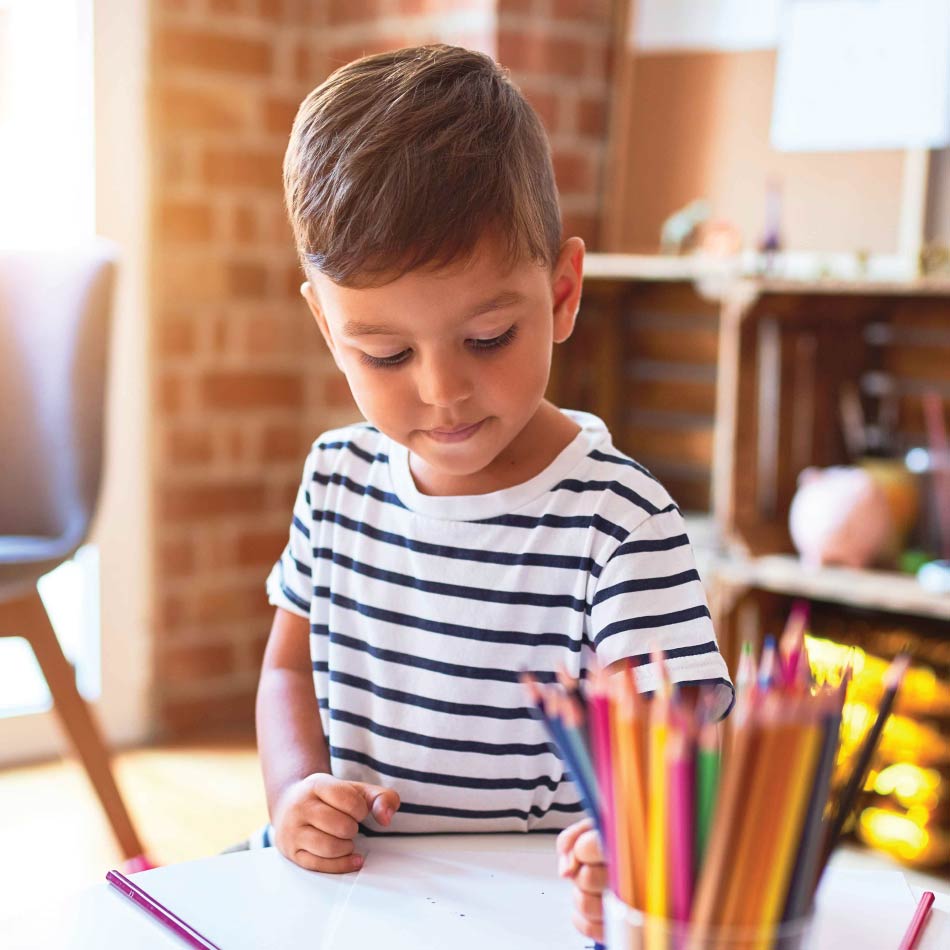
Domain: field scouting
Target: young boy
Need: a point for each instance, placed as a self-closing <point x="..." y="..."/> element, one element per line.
<point x="468" y="529"/>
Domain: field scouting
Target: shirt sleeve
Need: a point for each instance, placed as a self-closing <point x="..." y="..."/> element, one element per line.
<point x="290" y="582"/>
<point x="648" y="596"/>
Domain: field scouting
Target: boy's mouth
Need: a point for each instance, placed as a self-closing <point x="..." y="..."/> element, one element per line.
<point x="456" y="433"/>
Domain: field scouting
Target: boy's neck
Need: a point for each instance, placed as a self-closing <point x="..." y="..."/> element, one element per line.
<point x="539" y="443"/>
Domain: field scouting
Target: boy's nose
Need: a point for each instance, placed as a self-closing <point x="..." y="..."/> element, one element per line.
<point x="443" y="383"/>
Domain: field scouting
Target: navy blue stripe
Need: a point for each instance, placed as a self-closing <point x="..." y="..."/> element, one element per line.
<point x="301" y="567"/>
<point x="639" y="584"/>
<point x="293" y="597"/>
<point x="560" y="521"/>
<point x="355" y="449"/>
<point x="483" y="635"/>
<point x="439" y="778"/>
<point x="301" y="527"/>
<point x="575" y="485"/>
<point x="452" y="590"/>
<point x="412" y="808"/>
<point x="599" y="456"/>
<point x="565" y="562"/>
<point x="426" y="663"/>
<point x="426" y="702"/>
<point x="653" y="622"/>
<point x="648" y="545"/>
<point x="358" y="489"/>
<point x="437" y="742"/>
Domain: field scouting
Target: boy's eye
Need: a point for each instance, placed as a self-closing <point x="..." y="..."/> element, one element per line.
<point x="496" y="341"/>
<point x="381" y="362"/>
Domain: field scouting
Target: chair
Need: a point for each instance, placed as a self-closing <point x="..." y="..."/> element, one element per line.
<point x="54" y="332"/>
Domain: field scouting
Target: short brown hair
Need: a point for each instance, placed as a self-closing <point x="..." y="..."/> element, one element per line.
<point x="406" y="159"/>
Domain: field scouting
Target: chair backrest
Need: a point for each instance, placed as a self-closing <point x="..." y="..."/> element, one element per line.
<point x="55" y="321"/>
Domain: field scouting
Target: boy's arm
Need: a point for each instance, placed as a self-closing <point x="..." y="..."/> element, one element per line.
<point x="290" y="737"/>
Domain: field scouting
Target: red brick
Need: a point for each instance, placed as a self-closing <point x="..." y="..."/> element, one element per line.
<point x="273" y="10"/>
<point x="538" y="53"/>
<point x="188" y="446"/>
<point x="244" y="167"/>
<point x="208" y="714"/>
<point x="341" y="12"/>
<point x="574" y="172"/>
<point x="232" y="603"/>
<point x="587" y="11"/>
<point x="336" y="392"/>
<point x="213" y="499"/>
<point x="260" y="548"/>
<point x="279" y="112"/>
<point x="175" y="336"/>
<point x="546" y="105"/>
<point x="206" y="51"/>
<point x="198" y="662"/>
<point x="283" y="443"/>
<point x="591" y="117"/>
<point x="244" y="227"/>
<point x="184" y="221"/>
<point x="583" y="226"/>
<point x="187" y="109"/>
<point x="176" y="558"/>
<point x="226" y="6"/>
<point x="247" y="280"/>
<point x="170" y="392"/>
<point x="237" y="390"/>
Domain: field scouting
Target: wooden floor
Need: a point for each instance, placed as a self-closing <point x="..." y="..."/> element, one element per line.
<point x="187" y="802"/>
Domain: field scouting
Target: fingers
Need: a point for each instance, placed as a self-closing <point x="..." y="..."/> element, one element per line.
<point x="590" y="929"/>
<point x="345" y="797"/>
<point x="567" y="838"/>
<point x="381" y="801"/>
<point x="591" y="878"/>
<point x="313" y="862"/>
<point x="587" y="848"/>
<point x="589" y="906"/>
<point x="322" y="845"/>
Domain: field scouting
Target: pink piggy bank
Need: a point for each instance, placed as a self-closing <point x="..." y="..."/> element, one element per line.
<point x="840" y="515"/>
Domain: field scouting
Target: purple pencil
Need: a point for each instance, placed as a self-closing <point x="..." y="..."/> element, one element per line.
<point x="161" y="913"/>
<point x="680" y="771"/>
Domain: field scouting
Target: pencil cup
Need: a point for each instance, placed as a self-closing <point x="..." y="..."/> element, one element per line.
<point x="626" y="928"/>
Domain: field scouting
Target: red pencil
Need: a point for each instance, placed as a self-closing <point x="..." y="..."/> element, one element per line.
<point x="161" y="913"/>
<point x="918" y="922"/>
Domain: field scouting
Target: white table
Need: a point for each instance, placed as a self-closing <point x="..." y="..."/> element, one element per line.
<point x="462" y="892"/>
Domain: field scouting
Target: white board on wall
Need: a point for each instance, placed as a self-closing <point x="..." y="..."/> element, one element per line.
<point x="862" y="74"/>
<point x="722" y="25"/>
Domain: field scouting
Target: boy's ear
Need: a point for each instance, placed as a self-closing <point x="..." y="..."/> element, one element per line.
<point x="566" y="281"/>
<point x="310" y="295"/>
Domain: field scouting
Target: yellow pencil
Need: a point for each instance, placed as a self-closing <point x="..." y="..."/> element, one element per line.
<point x="657" y="896"/>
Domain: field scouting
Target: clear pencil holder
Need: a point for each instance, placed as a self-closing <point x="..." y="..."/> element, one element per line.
<point x="626" y="928"/>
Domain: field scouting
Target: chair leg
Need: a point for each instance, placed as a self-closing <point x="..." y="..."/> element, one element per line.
<point x="31" y="622"/>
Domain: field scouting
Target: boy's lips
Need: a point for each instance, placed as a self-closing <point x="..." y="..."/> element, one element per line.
<point x="456" y="433"/>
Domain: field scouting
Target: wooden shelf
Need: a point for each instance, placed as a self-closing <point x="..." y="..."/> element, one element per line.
<point x="874" y="590"/>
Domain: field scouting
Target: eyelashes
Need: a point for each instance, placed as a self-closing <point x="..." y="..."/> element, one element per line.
<point x="478" y="346"/>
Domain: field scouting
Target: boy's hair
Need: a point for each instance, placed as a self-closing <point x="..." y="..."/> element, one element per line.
<point x="406" y="159"/>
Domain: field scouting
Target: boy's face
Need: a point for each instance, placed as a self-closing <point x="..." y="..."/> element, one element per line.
<point x="453" y="363"/>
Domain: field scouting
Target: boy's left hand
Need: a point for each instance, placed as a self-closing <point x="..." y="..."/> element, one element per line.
<point x="581" y="860"/>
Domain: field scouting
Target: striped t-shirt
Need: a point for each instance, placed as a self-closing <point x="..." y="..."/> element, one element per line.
<point x="424" y="609"/>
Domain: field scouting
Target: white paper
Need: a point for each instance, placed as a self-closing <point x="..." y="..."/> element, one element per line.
<point x="413" y="898"/>
<point x="862" y="74"/>
<point x="866" y="909"/>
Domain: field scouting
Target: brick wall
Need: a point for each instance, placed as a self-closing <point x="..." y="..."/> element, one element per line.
<point x="241" y="381"/>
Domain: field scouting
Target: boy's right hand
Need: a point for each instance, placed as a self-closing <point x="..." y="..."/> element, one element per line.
<point x="316" y="820"/>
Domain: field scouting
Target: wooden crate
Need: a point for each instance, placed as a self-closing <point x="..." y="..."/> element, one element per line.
<point x="786" y="353"/>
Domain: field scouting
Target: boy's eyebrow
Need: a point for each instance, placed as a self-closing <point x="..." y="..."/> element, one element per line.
<point x="507" y="298"/>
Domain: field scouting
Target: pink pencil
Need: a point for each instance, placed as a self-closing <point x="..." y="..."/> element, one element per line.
<point x="918" y="922"/>
<point x="161" y="913"/>
<point x="599" y="712"/>
<point x="680" y="771"/>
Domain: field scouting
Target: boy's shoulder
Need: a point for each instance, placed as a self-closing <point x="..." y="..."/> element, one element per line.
<point x="622" y="481"/>
<point x="357" y="442"/>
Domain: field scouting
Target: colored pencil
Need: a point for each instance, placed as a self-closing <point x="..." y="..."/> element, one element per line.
<point x="849" y="796"/>
<point x="707" y="785"/>
<point x="159" y="912"/>
<point x="680" y="782"/>
<point x="917" y="922"/>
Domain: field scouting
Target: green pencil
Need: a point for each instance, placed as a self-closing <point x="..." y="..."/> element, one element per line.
<point x="707" y="786"/>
